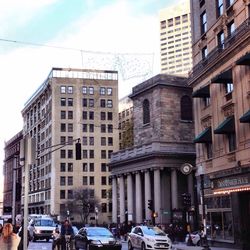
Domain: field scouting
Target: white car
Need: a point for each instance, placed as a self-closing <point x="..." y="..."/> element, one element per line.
<point x="148" y="237"/>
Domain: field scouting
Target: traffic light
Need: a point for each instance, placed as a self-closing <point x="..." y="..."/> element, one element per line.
<point x="78" y="148"/>
<point x="150" y="205"/>
<point x="186" y="200"/>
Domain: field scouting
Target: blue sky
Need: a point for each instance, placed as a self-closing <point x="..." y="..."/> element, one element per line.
<point x="124" y="33"/>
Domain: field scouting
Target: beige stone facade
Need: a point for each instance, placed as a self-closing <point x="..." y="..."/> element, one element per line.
<point x="175" y="39"/>
<point x="220" y="81"/>
<point x="72" y="104"/>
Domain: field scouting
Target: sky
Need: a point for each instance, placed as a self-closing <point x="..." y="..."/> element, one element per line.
<point x="36" y="35"/>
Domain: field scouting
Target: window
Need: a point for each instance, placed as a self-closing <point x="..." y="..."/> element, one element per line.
<point x="84" y="127"/>
<point x="146" y="112"/>
<point x="110" y="141"/>
<point x="109" y="91"/>
<point x="63" y="127"/>
<point x="91" y="153"/>
<point x="103" y="141"/>
<point x="220" y="39"/>
<point x="102" y="91"/>
<point x="62" y="194"/>
<point x="91" y="90"/>
<point x="63" y="89"/>
<point x="91" y="103"/>
<point x="84" y="90"/>
<point x="104" y="194"/>
<point x="63" y="167"/>
<point x="203" y="19"/>
<point x="209" y="150"/>
<point x="206" y="101"/>
<point x="91" y="128"/>
<point x="109" y="103"/>
<point x="103" y="128"/>
<point x="91" y="141"/>
<point x="63" y="114"/>
<point x="103" y="116"/>
<point x="62" y="181"/>
<point x="70" y="102"/>
<point x="104" y="180"/>
<point x="70" y="180"/>
<point x="109" y="153"/>
<point x="229" y="3"/>
<point x="70" y="154"/>
<point x="84" y="180"/>
<point x="84" y="167"/>
<point x="84" y="102"/>
<point x="63" y="102"/>
<point x="229" y="87"/>
<point x="230" y="28"/>
<point x="70" y="167"/>
<point x="70" y="90"/>
<point x="70" y="194"/>
<point x="84" y="115"/>
<point x="63" y="154"/>
<point x="84" y="154"/>
<point x="91" y="115"/>
<point x="110" y="128"/>
<point x="204" y="53"/>
<point x="186" y="108"/>
<point x="70" y="127"/>
<point x="104" y="207"/>
<point x="91" y="180"/>
<point x="231" y="142"/>
<point x="103" y="167"/>
<point x="219" y="8"/>
<point x="110" y="116"/>
<point x="102" y="103"/>
<point x="70" y="140"/>
<point x="91" y="167"/>
<point x="84" y="140"/>
<point x="103" y="154"/>
<point x="70" y="114"/>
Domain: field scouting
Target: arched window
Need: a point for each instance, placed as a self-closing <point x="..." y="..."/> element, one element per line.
<point x="186" y="108"/>
<point x="146" y="112"/>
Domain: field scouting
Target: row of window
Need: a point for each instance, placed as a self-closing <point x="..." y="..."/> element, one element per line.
<point x="104" y="208"/>
<point x="70" y="194"/>
<point x="87" y="102"/>
<point x="85" y="154"/>
<point x="86" y="180"/>
<point x="86" y="167"/>
<point x="174" y="21"/>
<point x="87" y="90"/>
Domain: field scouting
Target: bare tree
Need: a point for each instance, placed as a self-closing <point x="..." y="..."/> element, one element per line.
<point x="83" y="203"/>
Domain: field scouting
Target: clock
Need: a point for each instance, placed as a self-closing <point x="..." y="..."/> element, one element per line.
<point x="186" y="168"/>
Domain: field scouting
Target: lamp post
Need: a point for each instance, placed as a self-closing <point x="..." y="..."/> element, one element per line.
<point x="14" y="190"/>
<point x="205" y="242"/>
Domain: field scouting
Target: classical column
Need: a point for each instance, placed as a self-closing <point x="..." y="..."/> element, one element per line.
<point x="147" y="189"/>
<point x="122" y="199"/>
<point x="174" y="188"/>
<point x="138" y="193"/>
<point x="130" y="197"/>
<point x="157" y="193"/>
<point x="114" y="199"/>
<point x="191" y="187"/>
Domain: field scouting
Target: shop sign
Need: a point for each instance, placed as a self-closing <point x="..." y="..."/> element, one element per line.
<point x="231" y="182"/>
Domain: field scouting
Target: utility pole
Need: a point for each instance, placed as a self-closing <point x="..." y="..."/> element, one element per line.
<point x="14" y="190"/>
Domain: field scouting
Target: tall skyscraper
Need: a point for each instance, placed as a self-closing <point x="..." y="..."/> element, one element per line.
<point x="72" y="104"/>
<point x="175" y="39"/>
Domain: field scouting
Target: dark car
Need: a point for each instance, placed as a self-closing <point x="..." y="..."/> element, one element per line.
<point x="91" y="238"/>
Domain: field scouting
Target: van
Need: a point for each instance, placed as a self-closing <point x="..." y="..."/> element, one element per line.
<point x="41" y="228"/>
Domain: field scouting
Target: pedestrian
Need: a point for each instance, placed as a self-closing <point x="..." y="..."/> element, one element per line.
<point x="56" y="244"/>
<point x="66" y="233"/>
<point x="21" y="235"/>
<point x="8" y="239"/>
<point x="1" y="229"/>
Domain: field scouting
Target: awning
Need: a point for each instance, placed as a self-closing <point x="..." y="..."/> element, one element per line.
<point x="226" y="127"/>
<point x="202" y="92"/>
<point x="246" y="117"/>
<point x="245" y="60"/>
<point x="224" y="77"/>
<point x="204" y="137"/>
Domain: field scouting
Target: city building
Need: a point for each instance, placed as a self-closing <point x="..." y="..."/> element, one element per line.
<point x="126" y="131"/>
<point x="12" y="171"/>
<point x="175" y="39"/>
<point x="71" y="106"/>
<point x="152" y="175"/>
<point x="220" y="82"/>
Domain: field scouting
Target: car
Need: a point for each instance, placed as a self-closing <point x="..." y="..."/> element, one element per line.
<point x="41" y="228"/>
<point x="148" y="237"/>
<point x="194" y="237"/>
<point x="92" y="238"/>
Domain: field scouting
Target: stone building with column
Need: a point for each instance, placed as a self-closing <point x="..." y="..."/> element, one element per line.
<point x="153" y="168"/>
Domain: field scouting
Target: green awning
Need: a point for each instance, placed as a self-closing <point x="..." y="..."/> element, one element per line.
<point x="224" y="77"/>
<point x="246" y="117"/>
<point x="245" y="60"/>
<point x="202" y="92"/>
<point x="204" y="137"/>
<point x="226" y="127"/>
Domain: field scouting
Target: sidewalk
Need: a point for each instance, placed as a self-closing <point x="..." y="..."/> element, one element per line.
<point x="183" y="246"/>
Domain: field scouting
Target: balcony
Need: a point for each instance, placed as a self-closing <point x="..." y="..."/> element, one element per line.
<point x="232" y="41"/>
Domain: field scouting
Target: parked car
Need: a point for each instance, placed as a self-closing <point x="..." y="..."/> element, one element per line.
<point x="92" y="238"/>
<point x="41" y="228"/>
<point x="194" y="237"/>
<point x="148" y="237"/>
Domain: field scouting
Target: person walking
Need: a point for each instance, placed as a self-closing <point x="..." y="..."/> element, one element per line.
<point x="8" y="239"/>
